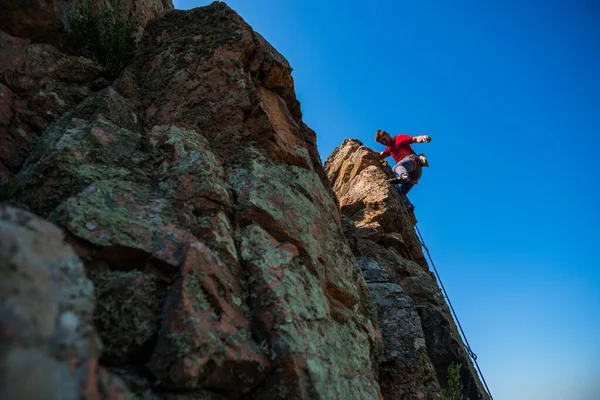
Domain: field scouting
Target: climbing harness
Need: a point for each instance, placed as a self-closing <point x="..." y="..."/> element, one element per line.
<point x="464" y="337"/>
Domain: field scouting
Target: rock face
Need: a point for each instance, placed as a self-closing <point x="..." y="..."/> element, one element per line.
<point x="43" y="20"/>
<point x="420" y="338"/>
<point x="195" y="196"/>
<point x="48" y="349"/>
<point x="37" y="85"/>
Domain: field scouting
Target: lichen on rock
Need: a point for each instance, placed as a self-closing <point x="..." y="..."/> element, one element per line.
<point x="195" y="197"/>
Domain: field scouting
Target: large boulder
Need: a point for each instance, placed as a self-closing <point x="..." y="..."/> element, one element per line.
<point x="195" y="196"/>
<point x="48" y="346"/>
<point x="42" y="21"/>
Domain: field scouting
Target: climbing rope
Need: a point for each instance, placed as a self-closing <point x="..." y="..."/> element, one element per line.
<point x="466" y="342"/>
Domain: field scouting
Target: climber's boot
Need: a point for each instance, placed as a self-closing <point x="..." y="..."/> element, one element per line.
<point x="400" y="179"/>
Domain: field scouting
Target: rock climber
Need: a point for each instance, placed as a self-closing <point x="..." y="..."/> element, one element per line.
<point x="408" y="163"/>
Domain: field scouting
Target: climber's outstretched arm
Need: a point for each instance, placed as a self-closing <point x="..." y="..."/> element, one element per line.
<point x="421" y="139"/>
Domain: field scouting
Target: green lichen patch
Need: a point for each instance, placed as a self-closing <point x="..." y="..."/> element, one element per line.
<point x="180" y="343"/>
<point x="194" y="176"/>
<point x="102" y="214"/>
<point x="292" y="205"/>
<point x="188" y="169"/>
<point x="217" y="230"/>
<point x="74" y="153"/>
<point x="192" y="283"/>
<point x="115" y="212"/>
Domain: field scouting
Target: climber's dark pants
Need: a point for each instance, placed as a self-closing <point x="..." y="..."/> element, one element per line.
<point x="409" y="166"/>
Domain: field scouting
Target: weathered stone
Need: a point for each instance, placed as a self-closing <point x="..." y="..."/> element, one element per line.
<point x="89" y="143"/>
<point x="295" y="318"/>
<point x="189" y="171"/>
<point x="206" y="341"/>
<point x="37" y="85"/>
<point x="224" y="81"/>
<point x="196" y="173"/>
<point x="43" y="21"/>
<point x="117" y="214"/>
<point x="49" y="348"/>
<point x="410" y="305"/>
<point x="405" y="370"/>
<point x="418" y="283"/>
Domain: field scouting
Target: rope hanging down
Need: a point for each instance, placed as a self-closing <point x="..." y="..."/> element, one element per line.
<point x="466" y="344"/>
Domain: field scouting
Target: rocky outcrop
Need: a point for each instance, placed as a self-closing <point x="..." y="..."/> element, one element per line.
<point x="358" y="181"/>
<point x="420" y="338"/>
<point x="38" y="84"/>
<point x="42" y="21"/>
<point x="195" y="196"/>
<point x="192" y="194"/>
<point x="48" y="347"/>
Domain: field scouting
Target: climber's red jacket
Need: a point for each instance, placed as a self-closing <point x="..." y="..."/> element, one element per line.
<point x="401" y="147"/>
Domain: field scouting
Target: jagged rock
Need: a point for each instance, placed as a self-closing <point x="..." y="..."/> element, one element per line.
<point x="405" y="371"/>
<point x="420" y="338"/>
<point x="206" y="340"/>
<point x="360" y="183"/>
<point x="48" y="347"/>
<point x="38" y="83"/>
<point x="225" y="81"/>
<point x="194" y="178"/>
<point x="43" y="21"/>
<point x="93" y="142"/>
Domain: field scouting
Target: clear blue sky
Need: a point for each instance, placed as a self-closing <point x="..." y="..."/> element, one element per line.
<point x="510" y="93"/>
